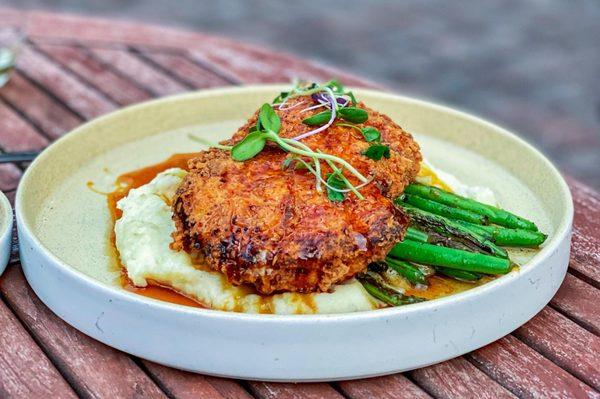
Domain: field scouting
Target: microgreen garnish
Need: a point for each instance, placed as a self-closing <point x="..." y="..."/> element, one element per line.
<point x="353" y="114"/>
<point x="318" y="119"/>
<point x="369" y="133"/>
<point x="335" y="181"/>
<point x="269" y="119"/>
<point x="377" y="151"/>
<point x="209" y="143"/>
<point x="249" y="147"/>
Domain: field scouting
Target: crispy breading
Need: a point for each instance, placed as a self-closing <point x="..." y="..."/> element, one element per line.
<point x="268" y="226"/>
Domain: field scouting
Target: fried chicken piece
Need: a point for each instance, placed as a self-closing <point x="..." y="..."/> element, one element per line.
<point x="268" y="226"/>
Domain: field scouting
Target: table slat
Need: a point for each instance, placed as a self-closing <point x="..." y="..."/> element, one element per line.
<point x="395" y="386"/>
<point x="565" y="343"/>
<point x="25" y="372"/>
<point x="580" y="301"/>
<point x="98" y="74"/>
<point x="136" y="69"/>
<point x="94" y="369"/>
<point x="16" y="134"/>
<point x="9" y="177"/>
<point x="52" y="118"/>
<point x="526" y="373"/>
<point x="585" y="254"/>
<point x="79" y="97"/>
<point x="457" y="378"/>
<point x="181" y="384"/>
<point x="274" y="390"/>
<point x="185" y="70"/>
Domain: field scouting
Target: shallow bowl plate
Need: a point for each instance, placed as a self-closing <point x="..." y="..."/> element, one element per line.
<point x="67" y="258"/>
<point x="6" y="225"/>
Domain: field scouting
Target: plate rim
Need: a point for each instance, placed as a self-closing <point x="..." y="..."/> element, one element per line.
<point x="561" y="232"/>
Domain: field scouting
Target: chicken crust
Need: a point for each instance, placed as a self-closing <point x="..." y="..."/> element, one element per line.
<point x="265" y="225"/>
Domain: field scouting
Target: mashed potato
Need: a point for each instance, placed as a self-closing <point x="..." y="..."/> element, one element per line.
<point x="143" y="235"/>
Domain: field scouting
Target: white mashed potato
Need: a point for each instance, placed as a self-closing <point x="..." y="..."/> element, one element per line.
<point x="143" y="235"/>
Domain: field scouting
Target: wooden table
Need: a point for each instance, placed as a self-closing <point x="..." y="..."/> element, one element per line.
<point x="73" y="69"/>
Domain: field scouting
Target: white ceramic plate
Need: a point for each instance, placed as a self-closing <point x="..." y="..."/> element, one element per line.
<point x="6" y="225"/>
<point x="67" y="259"/>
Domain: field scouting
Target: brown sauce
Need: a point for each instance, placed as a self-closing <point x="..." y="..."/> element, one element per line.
<point x="439" y="286"/>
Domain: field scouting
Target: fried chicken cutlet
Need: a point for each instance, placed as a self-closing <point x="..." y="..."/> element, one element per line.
<point x="264" y="224"/>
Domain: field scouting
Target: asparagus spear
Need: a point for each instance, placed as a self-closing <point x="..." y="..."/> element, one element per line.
<point x="508" y="237"/>
<point x="406" y="270"/>
<point x="448" y="257"/>
<point x="495" y="215"/>
<point x="445" y="226"/>
<point x="458" y="274"/>
<point x="385" y="294"/>
<point x="415" y="235"/>
<point x="444" y="210"/>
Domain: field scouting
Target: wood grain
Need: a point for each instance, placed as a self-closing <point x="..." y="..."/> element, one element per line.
<point x="25" y="372"/>
<point x="16" y="134"/>
<point x="395" y="386"/>
<point x="96" y="73"/>
<point x="565" y="343"/>
<point x="141" y="72"/>
<point x="79" y="97"/>
<point x="526" y="373"/>
<point x="457" y="378"/>
<point x="93" y="369"/>
<point x="273" y="390"/>
<point x="580" y="302"/>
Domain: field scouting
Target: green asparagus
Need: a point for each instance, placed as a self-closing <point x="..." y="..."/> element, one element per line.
<point x="443" y="210"/>
<point x="508" y="237"/>
<point x="458" y="274"/>
<point x="416" y="235"/>
<point x="406" y="270"/>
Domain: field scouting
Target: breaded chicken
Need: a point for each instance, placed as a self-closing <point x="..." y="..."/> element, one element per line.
<point x="262" y="224"/>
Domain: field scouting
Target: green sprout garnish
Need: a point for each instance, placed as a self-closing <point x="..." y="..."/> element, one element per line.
<point x="369" y="133"/>
<point x="377" y="151"/>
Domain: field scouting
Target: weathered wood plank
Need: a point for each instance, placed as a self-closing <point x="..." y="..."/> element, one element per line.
<point x="457" y="378"/>
<point x="585" y="247"/>
<point x="395" y="386"/>
<point x="272" y="390"/>
<point x="25" y="372"/>
<point x="526" y="373"/>
<point x="49" y="116"/>
<point x="17" y="134"/>
<point x="565" y="343"/>
<point x="97" y="74"/>
<point x="231" y="389"/>
<point x="139" y="71"/>
<point x="9" y="177"/>
<point x="579" y="300"/>
<point x="181" y="384"/>
<point x="82" y="99"/>
<point x="250" y="64"/>
<point x="94" y="369"/>
<point x="185" y="70"/>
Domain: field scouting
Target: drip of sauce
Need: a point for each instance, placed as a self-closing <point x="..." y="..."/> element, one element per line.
<point x="438" y="286"/>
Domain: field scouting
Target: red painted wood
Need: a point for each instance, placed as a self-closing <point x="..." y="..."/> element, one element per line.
<point x="76" y="95"/>
<point x="52" y="118"/>
<point x="94" y="369"/>
<point x="25" y="372"/>
<point x="395" y="386"/>
<point x="580" y="301"/>
<point x="181" y="384"/>
<point x="585" y="257"/>
<point x="140" y="71"/>
<point x="9" y="177"/>
<point x="18" y="135"/>
<point x="526" y="373"/>
<point x="271" y="390"/>
<point x="457" y="378"/>
<point x="229" y="388"/>
<point x="565" y="343"/>
<point x="101" y="76"/>
<point x="185" y="70"/>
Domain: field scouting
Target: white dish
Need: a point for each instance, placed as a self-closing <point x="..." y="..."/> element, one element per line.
<point x="6" y="225"/>
<point x="63" y="229"/>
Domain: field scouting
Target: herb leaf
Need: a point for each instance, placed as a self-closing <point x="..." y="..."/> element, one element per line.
<point x="370" y="134"/>
<point x="269" y="119"/>
<point x="318" y="119"/>
<point x="249" y="147"/>
<point x="353" y="114"/>
<point x="377" y="151"/>
<point x="334" y="180"/>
